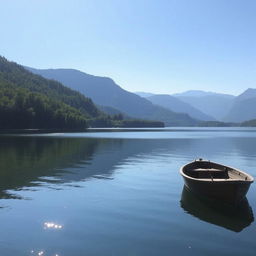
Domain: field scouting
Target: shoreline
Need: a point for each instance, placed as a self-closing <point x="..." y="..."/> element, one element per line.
<point x="117" y="129"/>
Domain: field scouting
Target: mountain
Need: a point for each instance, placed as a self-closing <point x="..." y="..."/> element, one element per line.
<point x="31" y="101"/>
<point x="243" y="108"/>
<point x="177" y="105"/>
<point x="247" y="94"/>
<point x="216" y="105"/>
<point x="104" y="91"/>
<point x="144" y="94"/>
<point x="109" y="110"/>
<point x="194" y="93"/>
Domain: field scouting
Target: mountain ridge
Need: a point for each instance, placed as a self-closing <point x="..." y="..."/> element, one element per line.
<point x="104" y="91"/>
<point x="177" y="105"/>
<point x="31" y="101"/>
<point x="200" y="93"/>
<point x="243" y="108"/>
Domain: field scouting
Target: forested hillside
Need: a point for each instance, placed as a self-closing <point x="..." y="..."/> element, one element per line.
<point x="22" y="109"/>
<point x="30" y="101"/>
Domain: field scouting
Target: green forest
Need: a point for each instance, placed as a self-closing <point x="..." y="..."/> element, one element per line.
<point x="29" y="101"/>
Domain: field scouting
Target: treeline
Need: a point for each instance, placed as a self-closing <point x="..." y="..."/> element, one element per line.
<point x="21" y="109"/>
<point x="133" y="123"/>
<point x="216" y="124"/>
<point x="119" y="121"/>
<point x="249" y="123"/>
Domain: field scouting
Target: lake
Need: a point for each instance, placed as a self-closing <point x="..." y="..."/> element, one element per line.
<point x="119" y="192"/>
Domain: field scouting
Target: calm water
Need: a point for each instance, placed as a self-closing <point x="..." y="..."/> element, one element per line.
<point x="120" y="193"/>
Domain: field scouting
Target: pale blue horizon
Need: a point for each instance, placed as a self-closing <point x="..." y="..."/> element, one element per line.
<point x="165" y="46"/>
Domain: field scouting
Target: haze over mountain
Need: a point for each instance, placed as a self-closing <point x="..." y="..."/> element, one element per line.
<point x="105" y="92"/>
<point x="225" y="107"/>
<point x="194" y="93"/>
<point x="216" y="105"/>
<point x="247" y="94"/>
<point x="178" y="109"/>
<point x="243" y="107"/>
<point x="177" y="105"/>
<point x="144" y="94"/>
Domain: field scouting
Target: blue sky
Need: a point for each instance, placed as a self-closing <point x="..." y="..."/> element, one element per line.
<point x="160" y="46"/>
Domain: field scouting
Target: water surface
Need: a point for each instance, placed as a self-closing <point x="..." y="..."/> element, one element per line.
<point x="119" y="192"/>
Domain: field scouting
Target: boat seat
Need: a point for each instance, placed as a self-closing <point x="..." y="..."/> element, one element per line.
<point x="208" y="173"/>
<point x="207" y="170"/>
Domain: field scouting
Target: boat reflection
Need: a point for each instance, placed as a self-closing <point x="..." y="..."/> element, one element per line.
<point x="234" y="218"/>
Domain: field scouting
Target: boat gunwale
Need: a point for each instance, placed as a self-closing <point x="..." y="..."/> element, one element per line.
<point x="249" y="180"/>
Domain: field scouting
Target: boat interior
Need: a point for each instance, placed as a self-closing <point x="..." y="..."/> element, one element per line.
<point x="209" y="170"/>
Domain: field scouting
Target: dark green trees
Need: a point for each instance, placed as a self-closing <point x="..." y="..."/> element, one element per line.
<point x="21" y="109"/>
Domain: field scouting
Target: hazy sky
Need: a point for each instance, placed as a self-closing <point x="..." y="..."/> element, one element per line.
<point x="160" y="46"/>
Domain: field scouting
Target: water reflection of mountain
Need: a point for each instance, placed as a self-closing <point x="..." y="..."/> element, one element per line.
<point x="234" y="218"/>
<point x="25" y="160"/>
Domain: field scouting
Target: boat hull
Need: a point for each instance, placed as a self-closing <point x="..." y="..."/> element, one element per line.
<point x="226" y="191"/>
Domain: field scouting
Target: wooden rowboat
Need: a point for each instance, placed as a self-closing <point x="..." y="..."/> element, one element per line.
<point x="216" y="181"/>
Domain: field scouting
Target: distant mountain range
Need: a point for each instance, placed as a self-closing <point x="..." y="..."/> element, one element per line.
<point x="105" y="92"/>
<point x="210" y="106"/>
<point x="177" y="105"/>
<point x="243" y="107"/>
<point x="224" y="107"/>
<point x="180" y="109"/>
<point x="206" y="106"/>
<point x="194" y="93"/>
<point x="216" y="105"/>
<point x="144" y="94"/>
